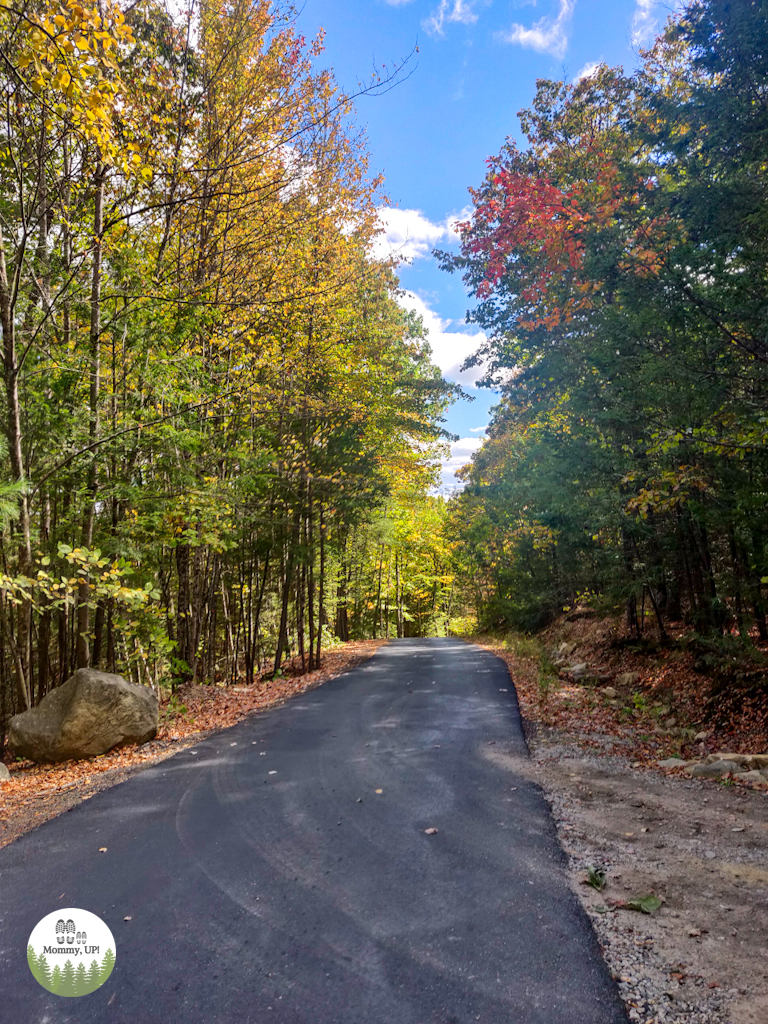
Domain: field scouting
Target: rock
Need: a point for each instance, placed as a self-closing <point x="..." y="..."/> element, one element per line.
<point x="627" y="678"/>
<point x="715" y="770"/>
<point x="671" y="723"/>
<point x="758" y="761"/>
<point x="610" y="693"/>
<point x="675" y="762"/>
<point x="89" y="714"/>
<point x="5" y="775"/>
<point x="752" y="776"/>
<point x="565" y="650"/>
<point x="578" y="670"/>
<point x="740" y="759"/>
<point x="700" y="737"/>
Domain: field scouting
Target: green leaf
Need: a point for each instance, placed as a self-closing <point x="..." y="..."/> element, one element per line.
<point x="644" y="904"/>
<point x="596" y="877"/>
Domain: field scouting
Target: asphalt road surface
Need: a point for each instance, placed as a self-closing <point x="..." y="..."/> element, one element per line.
<point x="267" y="880"/>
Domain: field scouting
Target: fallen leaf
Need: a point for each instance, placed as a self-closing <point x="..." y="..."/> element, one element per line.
<point x="38" y="792"/>
<point x="644" y="904"/>
<point x="596" y="877"/>
<point x="127" y="918"/>
<point x="430" y="831"/>
<point x="694" y="932"/>
<point x="379" y="791"/>
<point x="102" y="849"/>
<point x="273" y="773"/>
<point x="739" y="829"/>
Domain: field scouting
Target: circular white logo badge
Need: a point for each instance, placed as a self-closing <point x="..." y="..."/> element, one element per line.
<point x="71" y="952"/>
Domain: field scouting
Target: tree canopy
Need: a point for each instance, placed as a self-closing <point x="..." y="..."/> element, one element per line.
<point x="618" y="260"/>
<point x="212" y="400"/>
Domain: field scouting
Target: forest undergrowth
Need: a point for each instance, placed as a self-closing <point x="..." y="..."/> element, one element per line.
<point x="647" y="700"/>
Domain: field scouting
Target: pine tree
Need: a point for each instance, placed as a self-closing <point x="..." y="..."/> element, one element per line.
<point x="67" y="986"/>
<point x="106" y="965"/>
<point x="56" y="979"/>
<point x="81" y="980"/>
<point x="94" y="976"/>
<point x="32" y="961"/>
<point x="43" y="974"/>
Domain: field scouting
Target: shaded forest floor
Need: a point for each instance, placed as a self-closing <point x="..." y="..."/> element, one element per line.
<point x="700" y="846"/>
<point x="37" y="792"/>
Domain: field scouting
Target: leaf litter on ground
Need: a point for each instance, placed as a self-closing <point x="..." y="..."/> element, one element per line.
<point x="38" y="792"/>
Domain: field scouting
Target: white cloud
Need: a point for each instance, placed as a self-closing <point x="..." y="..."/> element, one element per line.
<point x="410" y="235"/>
<point x="462" y="11"/>
<point x="461" y="453"/>
<point x="449" y="347"/>
<point x="649" y="17"/>
<point x="645" y="22"/>
<point x="548" y="34"/>
<point x="587" y="71"/>
<point x="479" y="430"/>
<point x="397" y="3"/>
<point x="452" y="222"/>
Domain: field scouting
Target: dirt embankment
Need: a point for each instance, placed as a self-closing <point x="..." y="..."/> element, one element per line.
<point x="699" y="846"/>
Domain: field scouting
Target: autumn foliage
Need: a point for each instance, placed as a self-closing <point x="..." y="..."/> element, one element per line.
<point x="618" y="262"/>
<point x="210" y="393"/>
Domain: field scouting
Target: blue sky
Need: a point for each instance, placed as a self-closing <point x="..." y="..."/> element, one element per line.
<point x="477" y="65"/>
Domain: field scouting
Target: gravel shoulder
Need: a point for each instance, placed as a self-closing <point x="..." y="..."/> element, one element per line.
<point x="700" y="846"/>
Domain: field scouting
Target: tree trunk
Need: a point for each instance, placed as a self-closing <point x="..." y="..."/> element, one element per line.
<point x="321" y="592"/>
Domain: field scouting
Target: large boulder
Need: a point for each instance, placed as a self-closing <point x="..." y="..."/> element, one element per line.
<point x="89" y="714"/>
<point x="5" y="775"/>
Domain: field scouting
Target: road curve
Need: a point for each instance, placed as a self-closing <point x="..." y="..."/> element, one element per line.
<point x="268" y="881"/>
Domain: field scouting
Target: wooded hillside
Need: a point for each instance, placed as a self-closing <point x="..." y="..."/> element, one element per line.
<point x="619" y="266"/>
<point x="220" y="427"/>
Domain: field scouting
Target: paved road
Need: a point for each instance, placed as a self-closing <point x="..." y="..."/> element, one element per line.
<point x="267" y="881"/>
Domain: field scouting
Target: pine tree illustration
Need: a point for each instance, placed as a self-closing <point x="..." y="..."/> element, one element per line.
<point x="32" y="961"/>
<point x="81" y="980"/>
<point x="94" y="976"/>
<point x="106" y="965"/>
<point x="43" y="972"/>
<point x="55" y="985"/>
<point x="67" y="987"/>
